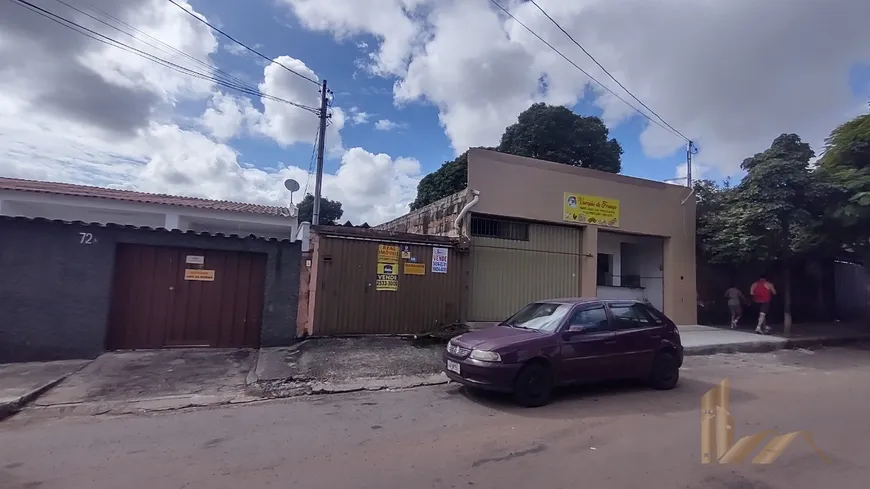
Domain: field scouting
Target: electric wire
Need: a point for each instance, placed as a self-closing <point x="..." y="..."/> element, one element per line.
<point x="162" y="45"/>
<point x="168" y="64"/>
<point x="231" y="38"/>
<point x="311" y="162"/>
<point x="575" y="65"/>
<point x="605" y="69"/>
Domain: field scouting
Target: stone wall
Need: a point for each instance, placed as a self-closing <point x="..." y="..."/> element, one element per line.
<point x="435" y="219"/>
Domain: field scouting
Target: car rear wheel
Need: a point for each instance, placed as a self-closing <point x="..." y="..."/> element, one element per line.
<point x="665" y="371"/>
<point x="533" y="385"/>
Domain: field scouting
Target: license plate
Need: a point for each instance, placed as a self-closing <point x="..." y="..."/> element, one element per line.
<point x="453" y="366"/>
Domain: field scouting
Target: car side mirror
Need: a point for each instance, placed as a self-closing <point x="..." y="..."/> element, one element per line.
<point x="576" y="328"/>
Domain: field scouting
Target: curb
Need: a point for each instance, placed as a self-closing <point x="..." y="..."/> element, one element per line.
<point x="11" y="408"/>
<point x="770" y="346"/>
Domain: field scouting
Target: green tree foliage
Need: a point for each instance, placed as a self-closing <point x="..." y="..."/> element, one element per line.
<point x="546" y="132"/>
<point x="845" y="166"/>
<point x="330" y="210"/>
<point x="554" y="133"/>
<point x="772" y="214"/>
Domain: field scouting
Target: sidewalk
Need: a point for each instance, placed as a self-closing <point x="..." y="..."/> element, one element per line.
<point x="21" y="383"/>
<point x="708" y="340"/>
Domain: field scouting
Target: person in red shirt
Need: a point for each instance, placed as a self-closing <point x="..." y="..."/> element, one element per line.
<point x="762" y="292"/>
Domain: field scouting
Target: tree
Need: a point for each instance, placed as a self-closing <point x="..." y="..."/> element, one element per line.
<point x="845" y="167"/>
<point x="554" y="133"/>
<point x="772" y="214"/>
<point x="542" y="131"/>
<point x="330" y="210"/>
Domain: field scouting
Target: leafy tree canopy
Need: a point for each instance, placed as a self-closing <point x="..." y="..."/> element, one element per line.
<point x="330" y="210"/>
<point x="546" y="132"/>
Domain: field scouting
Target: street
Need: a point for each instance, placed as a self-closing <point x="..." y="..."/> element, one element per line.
<point x="611" y="436"/>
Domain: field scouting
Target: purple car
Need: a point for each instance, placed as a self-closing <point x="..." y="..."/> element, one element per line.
<point x="560" y="342"/>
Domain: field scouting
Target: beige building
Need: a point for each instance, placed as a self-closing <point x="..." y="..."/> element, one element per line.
<point x="541" y="230"/>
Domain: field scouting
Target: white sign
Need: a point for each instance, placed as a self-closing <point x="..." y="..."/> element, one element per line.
<point x="439" y="260"/>
<point x="194" y="260"/>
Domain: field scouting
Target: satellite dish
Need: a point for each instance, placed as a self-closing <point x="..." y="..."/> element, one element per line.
<point x="292" y="186"/>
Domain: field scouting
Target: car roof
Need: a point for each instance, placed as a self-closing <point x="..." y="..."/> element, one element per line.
<point x="583" y="300"/>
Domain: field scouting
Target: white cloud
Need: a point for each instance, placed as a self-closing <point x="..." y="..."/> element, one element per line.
<point x="358" y="116"/>
<point x="732" y="94"/>
<point x="387" y="125"/>
<point x="72" y="110"/>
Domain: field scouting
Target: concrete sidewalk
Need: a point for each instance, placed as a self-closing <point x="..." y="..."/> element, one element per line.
<point x="709" y="340"/>
<point x="21" y="383"/>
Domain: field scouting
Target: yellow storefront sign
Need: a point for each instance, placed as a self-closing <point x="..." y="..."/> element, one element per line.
<point x="415" y="269"/>
<point x="388" y="277"/>
<point x="388" y="254"/>
<point x="589" y="209"/>
<point x="199" y="275"/>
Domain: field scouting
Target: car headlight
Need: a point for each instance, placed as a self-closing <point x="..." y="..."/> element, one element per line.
<point x="485" y="356"/>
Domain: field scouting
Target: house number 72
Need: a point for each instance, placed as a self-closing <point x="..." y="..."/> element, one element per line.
<point x="87" y="238"/>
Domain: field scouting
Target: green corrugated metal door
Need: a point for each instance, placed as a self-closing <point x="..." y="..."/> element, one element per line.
<point x="514" y="263"/>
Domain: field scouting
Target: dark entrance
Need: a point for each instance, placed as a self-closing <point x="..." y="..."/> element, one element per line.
<point x="166" y="297"/>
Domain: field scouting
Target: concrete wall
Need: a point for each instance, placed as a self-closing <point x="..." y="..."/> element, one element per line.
<point x="525" y="188"/>
<point x="55" y="289"/>
<point x="435" y="219"/>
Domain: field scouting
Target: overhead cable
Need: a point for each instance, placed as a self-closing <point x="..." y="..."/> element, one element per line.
<point x="575" y="65"/>
<point x="233" y="39"/>
<point x="605" y="69"/>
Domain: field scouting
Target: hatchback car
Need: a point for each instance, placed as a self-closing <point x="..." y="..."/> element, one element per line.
<point x="568" y="341"/>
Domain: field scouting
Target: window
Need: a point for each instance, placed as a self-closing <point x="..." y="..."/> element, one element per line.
<point x="632" y="315"/>
<point x="657" y="316"/>
<point x="543" y="316"/>
<point x="499" y="228"/>
<point x="594" y="318"/>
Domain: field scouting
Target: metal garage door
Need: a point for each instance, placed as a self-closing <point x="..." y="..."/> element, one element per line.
<point x="165" y="297"/>
<point x="514" y="263"/>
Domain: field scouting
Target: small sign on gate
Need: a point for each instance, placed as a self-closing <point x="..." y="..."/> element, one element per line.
<point x="199" y="275"/>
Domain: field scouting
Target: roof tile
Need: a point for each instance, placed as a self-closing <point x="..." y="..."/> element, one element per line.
<point x="141" y="197"/>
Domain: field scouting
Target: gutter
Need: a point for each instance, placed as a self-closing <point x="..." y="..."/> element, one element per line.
<point x="457" y="224"/>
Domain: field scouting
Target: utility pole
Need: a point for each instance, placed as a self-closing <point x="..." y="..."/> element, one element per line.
<point x="689" y="147"/>
<point x="318" y="179"/>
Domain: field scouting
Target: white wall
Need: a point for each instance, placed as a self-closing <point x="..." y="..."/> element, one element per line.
<point x="649" y="260"/>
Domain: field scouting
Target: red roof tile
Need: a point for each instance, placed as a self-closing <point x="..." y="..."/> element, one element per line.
<point x="141" y="197"/>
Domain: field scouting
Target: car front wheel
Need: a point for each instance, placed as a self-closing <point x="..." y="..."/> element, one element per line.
<point x="533" y="385"/>
<point x="665" y="371"/>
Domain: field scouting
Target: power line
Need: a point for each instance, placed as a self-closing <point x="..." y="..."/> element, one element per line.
<point x="213" y="69"/>
<point x="605" y="69"/>
<point x="174" y="50"/>
<point x="575" y="65"/>
<point x="311" y="162"/>
<point x="231" y="38"/>
<point x="175" y="67"/>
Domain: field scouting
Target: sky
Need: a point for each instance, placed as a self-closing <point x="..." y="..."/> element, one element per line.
<point x="414" y="83"/>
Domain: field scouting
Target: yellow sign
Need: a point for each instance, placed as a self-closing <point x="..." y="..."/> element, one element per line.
<point x="388" y="277"/>
<point x="588" y="209"/>
<point x="415" y="268"/>
<point x="388" y="254"/>
<point x="199" y="275"/>
<point x="717" y="428"/>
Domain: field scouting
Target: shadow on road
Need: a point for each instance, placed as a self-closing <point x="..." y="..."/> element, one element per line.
<point x="605" y="399"/>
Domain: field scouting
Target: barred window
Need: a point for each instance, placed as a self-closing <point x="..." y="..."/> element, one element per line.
<point x="499" y="228"/>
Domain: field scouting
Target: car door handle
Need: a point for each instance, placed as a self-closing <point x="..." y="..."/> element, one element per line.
<point x="610" y="342"/>
<point x="656" y="337"/>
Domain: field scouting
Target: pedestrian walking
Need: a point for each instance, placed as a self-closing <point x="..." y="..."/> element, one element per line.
<point x="762" y="292"/>
<point x="736" y="299"/>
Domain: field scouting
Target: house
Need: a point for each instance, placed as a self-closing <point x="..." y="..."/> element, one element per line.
<point x="538" y="229"/>
<point x="85" y="269"/>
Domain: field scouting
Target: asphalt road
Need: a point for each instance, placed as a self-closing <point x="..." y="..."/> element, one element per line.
<point x="613" y="436"/>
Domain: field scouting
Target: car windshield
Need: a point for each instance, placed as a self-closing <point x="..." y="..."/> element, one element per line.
<point x="541" y="316"/>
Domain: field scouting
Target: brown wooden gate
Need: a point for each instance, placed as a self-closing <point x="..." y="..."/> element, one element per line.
<point x="166" y="297"/>
<point x="347" y="299"/>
